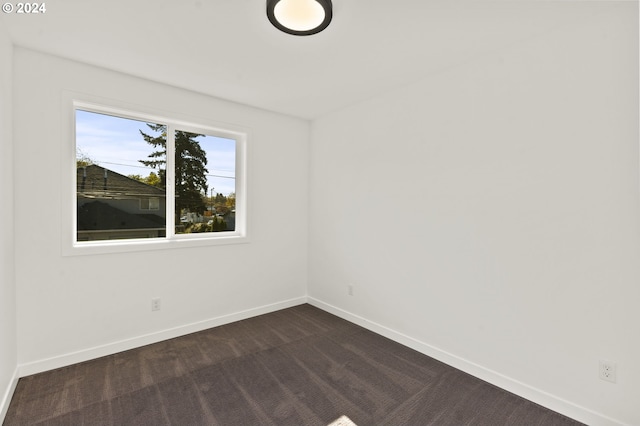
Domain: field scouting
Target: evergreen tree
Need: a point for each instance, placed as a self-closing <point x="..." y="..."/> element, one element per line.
<point x="190" y="167"/>
<point x="220" y="204"/>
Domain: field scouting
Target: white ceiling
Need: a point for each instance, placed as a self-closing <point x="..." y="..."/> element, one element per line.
<point x="228" y="48"/>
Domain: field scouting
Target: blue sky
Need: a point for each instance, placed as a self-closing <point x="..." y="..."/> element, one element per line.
<point x="116" y="144"/>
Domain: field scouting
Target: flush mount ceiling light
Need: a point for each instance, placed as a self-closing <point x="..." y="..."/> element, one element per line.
<point x="300" y="17"/>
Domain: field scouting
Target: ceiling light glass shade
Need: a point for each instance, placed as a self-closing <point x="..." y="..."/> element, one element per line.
<point x="300" y="17"/>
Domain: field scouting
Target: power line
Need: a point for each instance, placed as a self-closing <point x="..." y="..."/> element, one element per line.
<point x="151" y="168"/>
<point x="127" y="165"/>
<point x="219" y="176"/>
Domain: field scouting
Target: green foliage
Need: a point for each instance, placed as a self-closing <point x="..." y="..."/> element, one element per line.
<point x="195" y="228"/>
<point x="157" y="158"/>
<point x="190" y="165"/>
<point x="82" y="159"/>
<point x="231" y="201"/>
<point x="220" y="203"/>
<point x="153" y="179"/>
<point x="217" y="225"/>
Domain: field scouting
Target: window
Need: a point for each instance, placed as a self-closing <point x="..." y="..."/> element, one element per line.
<point x="149" y="203"/>
<point x="147" y="179"/>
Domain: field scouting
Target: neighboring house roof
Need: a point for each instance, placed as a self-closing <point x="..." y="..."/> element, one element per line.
<point x="97" y="215"/>
<point x="91" y="183"/>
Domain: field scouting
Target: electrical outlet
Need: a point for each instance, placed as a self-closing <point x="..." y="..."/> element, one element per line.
<point x="350" y="289"/>
<point x="608" y="371"/>
<point x="155" y="304"/>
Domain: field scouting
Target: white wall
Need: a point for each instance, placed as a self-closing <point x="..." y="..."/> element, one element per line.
<point x="80" y="303"/>
<point x="489" y="215"/>
<point x="8" y="342"/>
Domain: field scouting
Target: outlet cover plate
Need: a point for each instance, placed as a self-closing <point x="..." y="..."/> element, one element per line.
<point x="607" y="371"/>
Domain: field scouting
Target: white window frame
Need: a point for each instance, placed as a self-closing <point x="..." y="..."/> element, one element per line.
<point x="70" y="245"/>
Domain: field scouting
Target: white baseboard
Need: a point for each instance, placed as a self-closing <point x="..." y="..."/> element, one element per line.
<point x="538" y="396"/>
<point x="135" y="342"/>
<point x="8" y="394"/>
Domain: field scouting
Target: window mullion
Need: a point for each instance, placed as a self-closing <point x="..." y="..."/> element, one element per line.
<point x="171" y="176"/>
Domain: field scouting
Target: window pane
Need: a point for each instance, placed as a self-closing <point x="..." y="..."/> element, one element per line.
<point x="205" y="168"/>
<point x="154" y="204"/>
<point x="120" y="187"/>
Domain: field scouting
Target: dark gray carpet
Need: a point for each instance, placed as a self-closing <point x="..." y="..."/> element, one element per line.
<point x="298" y="366"/>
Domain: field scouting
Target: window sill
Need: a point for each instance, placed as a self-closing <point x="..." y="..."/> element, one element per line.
<point x="149" y="244"/>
